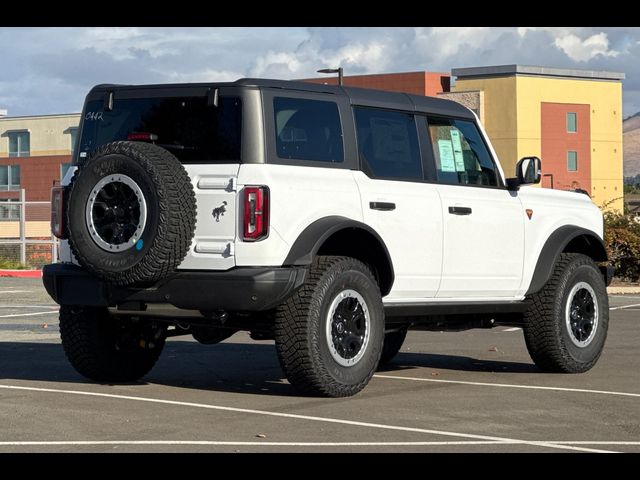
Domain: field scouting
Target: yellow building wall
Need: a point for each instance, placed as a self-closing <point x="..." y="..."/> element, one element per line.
<point x="49" y="134"/>
<point x="605" y="100"/>
<point x="33" y="229"/>
<point x="500" y="120"/>
<point x="513" y="123"/>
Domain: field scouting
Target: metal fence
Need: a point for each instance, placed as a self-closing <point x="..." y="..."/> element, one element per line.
<point x="25" y="235"/>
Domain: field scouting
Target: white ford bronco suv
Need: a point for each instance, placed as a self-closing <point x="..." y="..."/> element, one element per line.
<point x="330" y="219"/>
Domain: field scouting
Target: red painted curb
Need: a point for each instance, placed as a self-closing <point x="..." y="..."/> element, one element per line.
<point x="21" y="273"/>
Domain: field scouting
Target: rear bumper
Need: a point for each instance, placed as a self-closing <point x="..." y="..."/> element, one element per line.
<point x="240" y="289"/>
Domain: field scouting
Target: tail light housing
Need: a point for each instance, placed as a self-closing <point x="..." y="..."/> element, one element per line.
<point x="57" y="211"/>
<point x="255" y="224"/>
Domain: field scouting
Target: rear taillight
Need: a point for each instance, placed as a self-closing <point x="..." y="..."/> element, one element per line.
<point x="256" y="213"/>
<point x="57" y="211"/>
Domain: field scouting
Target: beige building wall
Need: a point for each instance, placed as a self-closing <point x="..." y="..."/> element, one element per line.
<point x="499" y="116"/>
<point x="49" y="134"/>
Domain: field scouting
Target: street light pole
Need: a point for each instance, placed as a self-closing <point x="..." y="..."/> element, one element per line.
<point x="333" y="70"/>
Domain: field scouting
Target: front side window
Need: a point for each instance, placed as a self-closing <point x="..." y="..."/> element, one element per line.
<point x="9" y="177"/>
<point x="572" y="125"/>
<point x="388" y="144"/>
<point x="308" y="130"/>
<point x="461" y="156"/>
<point x="19" y="144"/>
<point x="572" y="161"/>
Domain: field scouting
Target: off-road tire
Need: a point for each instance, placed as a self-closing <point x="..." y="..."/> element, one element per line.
<point x="301" y="322"/>
<point x="105" y="349"/>
<point x="171" y="213"/>
<point x="545" y="322"/>
<point x="392" y="344"/>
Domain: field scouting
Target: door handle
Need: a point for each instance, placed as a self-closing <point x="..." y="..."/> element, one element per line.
<point x="460" y="210"/>
<point x="384" y="206"/>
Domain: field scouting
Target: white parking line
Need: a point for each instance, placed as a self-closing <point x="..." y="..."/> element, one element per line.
<point x="294" y="444"/>
<point x="512" y="329"/>
<point x="8" y="305"/>
<point x="27" y="314"/>
<point x="250" y="444"/>
<point x="507" y="385"/>
<point x="308" y="418"/>
<point x="625" y="306"/>
<point x="16" y="291"/>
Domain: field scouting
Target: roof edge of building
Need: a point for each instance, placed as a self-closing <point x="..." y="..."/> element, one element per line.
<point x="22" y="117"/>
<point x="533" y="70"/>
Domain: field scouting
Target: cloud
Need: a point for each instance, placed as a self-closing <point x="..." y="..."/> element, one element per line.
<point x="49" y="70"/>
<point x="584" y="50"/>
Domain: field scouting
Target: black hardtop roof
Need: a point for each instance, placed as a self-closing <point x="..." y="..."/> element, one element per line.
<point x="357" y="96"/>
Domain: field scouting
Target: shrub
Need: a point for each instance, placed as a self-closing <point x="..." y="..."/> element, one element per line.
<point x="622" y="240"/>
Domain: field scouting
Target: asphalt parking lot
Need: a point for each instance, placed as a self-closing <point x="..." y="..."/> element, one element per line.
<point x="475" y="391"/>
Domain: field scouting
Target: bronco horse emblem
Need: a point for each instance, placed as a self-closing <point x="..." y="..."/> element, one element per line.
<point x="219" y="211"/>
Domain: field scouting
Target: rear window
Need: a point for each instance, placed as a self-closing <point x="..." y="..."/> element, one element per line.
<point x="186" y="126"/>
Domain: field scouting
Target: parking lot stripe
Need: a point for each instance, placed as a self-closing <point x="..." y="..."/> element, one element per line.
<point x="625" y="306"/>
<point x="27" y="314"/>
<point x="15" y="291"/>
<point x="292" y="444"/>
<point x="307" y="417"/>
<point x="512" y="329"/>
<point x="507" y="385"/>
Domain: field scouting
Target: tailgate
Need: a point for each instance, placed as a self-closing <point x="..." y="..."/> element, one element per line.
<point x="212" y="247"/>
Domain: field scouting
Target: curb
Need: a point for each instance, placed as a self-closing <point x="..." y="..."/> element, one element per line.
<point x="623" y="290"/>
<point x="21" y="273"/>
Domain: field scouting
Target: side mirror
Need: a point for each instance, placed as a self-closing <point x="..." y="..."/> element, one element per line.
<point x="529" y="170"/>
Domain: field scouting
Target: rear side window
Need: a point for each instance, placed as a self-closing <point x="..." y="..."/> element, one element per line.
<point x="461" y="156"/>
<point x="308" y="130"/>
<point x="388" y="144"/>
<point x="186" y="126"/>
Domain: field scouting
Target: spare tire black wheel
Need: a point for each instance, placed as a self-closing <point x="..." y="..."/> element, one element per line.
<point x="131" y="213"/>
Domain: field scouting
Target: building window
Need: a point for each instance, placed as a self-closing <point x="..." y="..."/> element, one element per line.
<point x="63" y="170"/>
<point x="73" y="132"/>
<point x="9" y="177"/>
<point x="572" y="161"/>
<point x="9" y="212"/>
<point x="18" y="144"/>
<point x="572" y="123"/>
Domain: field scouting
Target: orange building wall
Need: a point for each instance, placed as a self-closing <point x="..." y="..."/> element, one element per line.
<point x="556" y="142"/>
<point x="417" y="83"/>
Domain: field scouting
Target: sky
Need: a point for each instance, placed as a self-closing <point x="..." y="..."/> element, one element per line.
<point x="50" y="70"/>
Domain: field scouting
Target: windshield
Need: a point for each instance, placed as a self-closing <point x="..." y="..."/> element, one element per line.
<point x="186" y="126"/>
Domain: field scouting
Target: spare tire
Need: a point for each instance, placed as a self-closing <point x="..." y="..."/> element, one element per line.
<point x="131" y="213"/>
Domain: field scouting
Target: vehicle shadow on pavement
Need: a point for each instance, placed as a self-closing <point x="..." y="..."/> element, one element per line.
<point x="250" y="368"/>
<point x="408" y="361"/>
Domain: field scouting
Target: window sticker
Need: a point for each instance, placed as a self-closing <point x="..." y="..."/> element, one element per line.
<point x="457" y="150"/>
<point x="447" y="162"/>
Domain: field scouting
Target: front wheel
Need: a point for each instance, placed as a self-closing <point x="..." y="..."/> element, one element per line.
<point x="566" y="323"/>
<point x="109" y="348"/>
<point x="329" y="334"/>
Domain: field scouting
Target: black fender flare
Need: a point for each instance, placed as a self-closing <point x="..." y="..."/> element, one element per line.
<point x="306" y="246"/>
<point x="556" y="244"/>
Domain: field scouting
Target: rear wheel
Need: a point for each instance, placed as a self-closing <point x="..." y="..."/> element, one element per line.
<point x="329" y="334"/>
<point x="109" y="348"/>
<point x="567" y="321"/>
